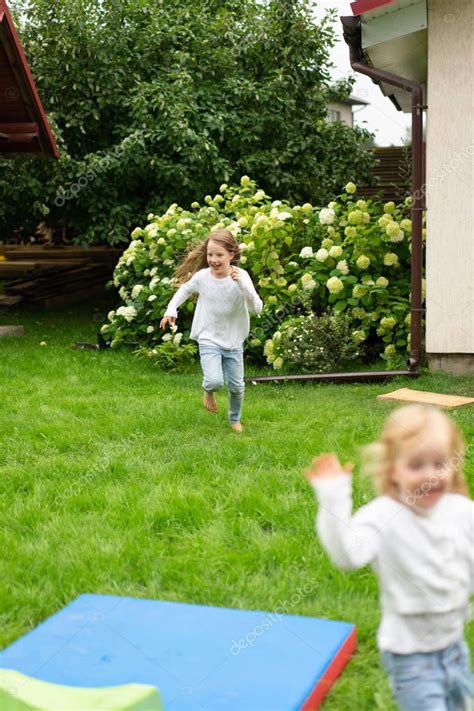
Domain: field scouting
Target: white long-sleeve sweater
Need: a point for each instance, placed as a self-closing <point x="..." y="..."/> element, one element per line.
<point x="424" y="561"/>
<point x="222" y="311"/>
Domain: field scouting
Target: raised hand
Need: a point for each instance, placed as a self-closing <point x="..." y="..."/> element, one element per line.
<point x="167" y="319"/>
<point x="234" y="273"/>
<point x="325" y="466"/>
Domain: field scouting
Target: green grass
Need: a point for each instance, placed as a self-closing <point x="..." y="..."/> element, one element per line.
<point x="115" y="480"/>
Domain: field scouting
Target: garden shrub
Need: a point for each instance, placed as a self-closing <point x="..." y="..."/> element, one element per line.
<point x="313" y="344"/>
<point x="352" y="257"/>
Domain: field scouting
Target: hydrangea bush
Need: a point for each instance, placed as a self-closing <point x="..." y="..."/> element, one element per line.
<point x="352" y="257"/>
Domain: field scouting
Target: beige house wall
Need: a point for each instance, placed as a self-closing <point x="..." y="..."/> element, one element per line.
<point x="449" y="179"/>
<point x="346" y="112"/>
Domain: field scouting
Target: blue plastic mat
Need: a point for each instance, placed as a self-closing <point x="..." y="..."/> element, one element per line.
<point x="201" y="658"/>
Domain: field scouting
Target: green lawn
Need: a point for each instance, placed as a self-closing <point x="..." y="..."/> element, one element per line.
<point x="115" y="480"/>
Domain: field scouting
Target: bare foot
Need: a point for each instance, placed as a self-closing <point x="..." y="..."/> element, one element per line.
<point x="210" y="402"/>
<point x="236" y="426"/>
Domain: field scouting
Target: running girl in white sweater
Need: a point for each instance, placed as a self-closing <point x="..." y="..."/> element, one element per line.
<point x="419" y="537"/>
<point x="221" y="321"/>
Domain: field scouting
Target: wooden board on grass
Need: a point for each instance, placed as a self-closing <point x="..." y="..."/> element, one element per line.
<point x="427" y="398"/>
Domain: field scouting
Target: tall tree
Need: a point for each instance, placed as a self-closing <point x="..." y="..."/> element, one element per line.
<point x="158" y="102"/>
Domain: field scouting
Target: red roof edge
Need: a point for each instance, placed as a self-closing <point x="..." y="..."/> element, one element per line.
<point x="48" y="143"/>
<point x="359" y="7"/>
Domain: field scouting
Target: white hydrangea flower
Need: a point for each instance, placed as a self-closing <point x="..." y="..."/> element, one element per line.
<point x="382" y="281"/>
<point x="306" y="252"/>
<point x="343" y="267"/>
<point x="136" y="233"/>
<point x="161" y="241"/>
<point x="152" y="297"/>
<point x="322" y="254"/>
<point x="165" y="281"/>
<point x="309" y="285"/>
<point x="259" y="195"/>
<point x="154" y="282"/>
<point x="390" y="259"/>
<point x="355" y="217"/>
<point x="128" y="312"/>
<point x="166" y="337"/>
<point x="136" y="290"/>
<point x="168" y="262"/>
<point x="151" y="230"/>
<point x="150" y="329"/>
<point x="284" y="216"/>
<point x="388" y="322"/>
<point x="277" y="363"/>
<point x="234" y="228"/>
<point x="243" y="260"/>
<point x="398" y="236"/>
<point x="276" y="203"/>
<point x="384" y="220"/>
<point x="335" y="251"/>
<point x="177" y="338"/>
<point x="123" y="293"/>
<point x="334" y="285"/>
<point x="327" y="216"/>
<point x="363" y="262"/>
<point x="110" y="315"/>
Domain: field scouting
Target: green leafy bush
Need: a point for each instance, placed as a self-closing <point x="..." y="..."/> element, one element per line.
<point x="171" y="355"/>
<point x="313" y="344"/>
<point x="351" y="257"/>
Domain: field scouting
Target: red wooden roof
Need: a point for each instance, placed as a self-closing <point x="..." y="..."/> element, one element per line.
<point x="23" y="124"/>
<point x="359" y="7"/>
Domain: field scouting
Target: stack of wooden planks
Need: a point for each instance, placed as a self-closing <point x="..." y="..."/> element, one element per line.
<point x="392" y="174"/>
<point x="50" y="277"/>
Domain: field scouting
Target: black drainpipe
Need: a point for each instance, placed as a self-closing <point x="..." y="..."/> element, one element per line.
<point x="352" y="36"/>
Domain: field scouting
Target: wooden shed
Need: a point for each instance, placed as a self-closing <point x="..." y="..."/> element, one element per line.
<point x="23" y="124"/>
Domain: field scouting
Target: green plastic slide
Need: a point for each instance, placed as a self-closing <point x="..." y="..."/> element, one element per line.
<point x="19" y="692"/>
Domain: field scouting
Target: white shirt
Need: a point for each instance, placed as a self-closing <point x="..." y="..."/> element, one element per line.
<point x="222" y="311"/>
<point x="424" y="561"/>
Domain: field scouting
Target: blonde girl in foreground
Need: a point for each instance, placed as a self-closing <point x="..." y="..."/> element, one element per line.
<point x="221" y="321"/>
<point x="418" y="535"/>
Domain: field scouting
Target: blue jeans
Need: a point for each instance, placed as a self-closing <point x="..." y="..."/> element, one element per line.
<point x="431" y="681"/>
<point x="219" y="365"/>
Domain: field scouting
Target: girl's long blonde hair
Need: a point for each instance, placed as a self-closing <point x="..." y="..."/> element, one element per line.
<point x="196" y="256"/>
<point x="404" y="424"/>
